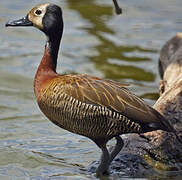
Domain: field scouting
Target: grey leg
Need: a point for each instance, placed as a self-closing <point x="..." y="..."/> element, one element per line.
<point x="117" y="148"/>
<point x="104" y="164"/>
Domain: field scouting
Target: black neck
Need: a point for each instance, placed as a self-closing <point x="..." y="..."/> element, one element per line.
<point x="53" y="44"/>
<point x="53" y="28"/>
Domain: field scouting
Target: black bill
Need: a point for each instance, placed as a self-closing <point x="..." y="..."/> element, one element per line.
<point x="20" y="22"/>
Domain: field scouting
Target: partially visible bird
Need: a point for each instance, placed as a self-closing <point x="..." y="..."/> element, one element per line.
<point x="168" y="51"/>
<point x="90" y="106"/>
<point x="118" y="10"/>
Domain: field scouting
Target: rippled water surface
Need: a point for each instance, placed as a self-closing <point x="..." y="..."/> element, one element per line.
<point x="95" y="41"/>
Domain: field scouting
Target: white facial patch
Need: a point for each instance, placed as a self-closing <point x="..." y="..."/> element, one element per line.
<point x="36" y="15"/>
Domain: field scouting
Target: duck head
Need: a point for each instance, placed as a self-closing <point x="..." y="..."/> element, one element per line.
<point x="46" y="17"/>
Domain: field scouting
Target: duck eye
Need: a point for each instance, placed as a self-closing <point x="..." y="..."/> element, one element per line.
<point x="38" y="12"/>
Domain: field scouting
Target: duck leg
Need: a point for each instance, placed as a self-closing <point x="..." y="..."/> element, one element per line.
<point x="107" y="158"/>
<point x="104" y="164"/>
<point x="117" y="148"/>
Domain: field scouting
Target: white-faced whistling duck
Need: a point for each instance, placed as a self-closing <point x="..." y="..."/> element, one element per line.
<point x="86" y="105"/>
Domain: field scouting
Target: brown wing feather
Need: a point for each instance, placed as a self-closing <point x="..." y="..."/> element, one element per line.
<point x="113" y="95"/>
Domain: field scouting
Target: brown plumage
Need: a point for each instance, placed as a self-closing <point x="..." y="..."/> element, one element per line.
<point x="90" y="106"/>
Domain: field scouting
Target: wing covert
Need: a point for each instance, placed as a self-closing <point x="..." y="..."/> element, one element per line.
<point x="113" y="95"/>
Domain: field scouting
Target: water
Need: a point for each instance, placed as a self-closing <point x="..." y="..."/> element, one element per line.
<point x="96" y="41"/>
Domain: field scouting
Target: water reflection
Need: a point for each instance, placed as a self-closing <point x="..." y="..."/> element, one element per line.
<point x="107" y="51"/>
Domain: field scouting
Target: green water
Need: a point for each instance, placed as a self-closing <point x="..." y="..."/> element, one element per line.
<point x="95" y="41"/>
